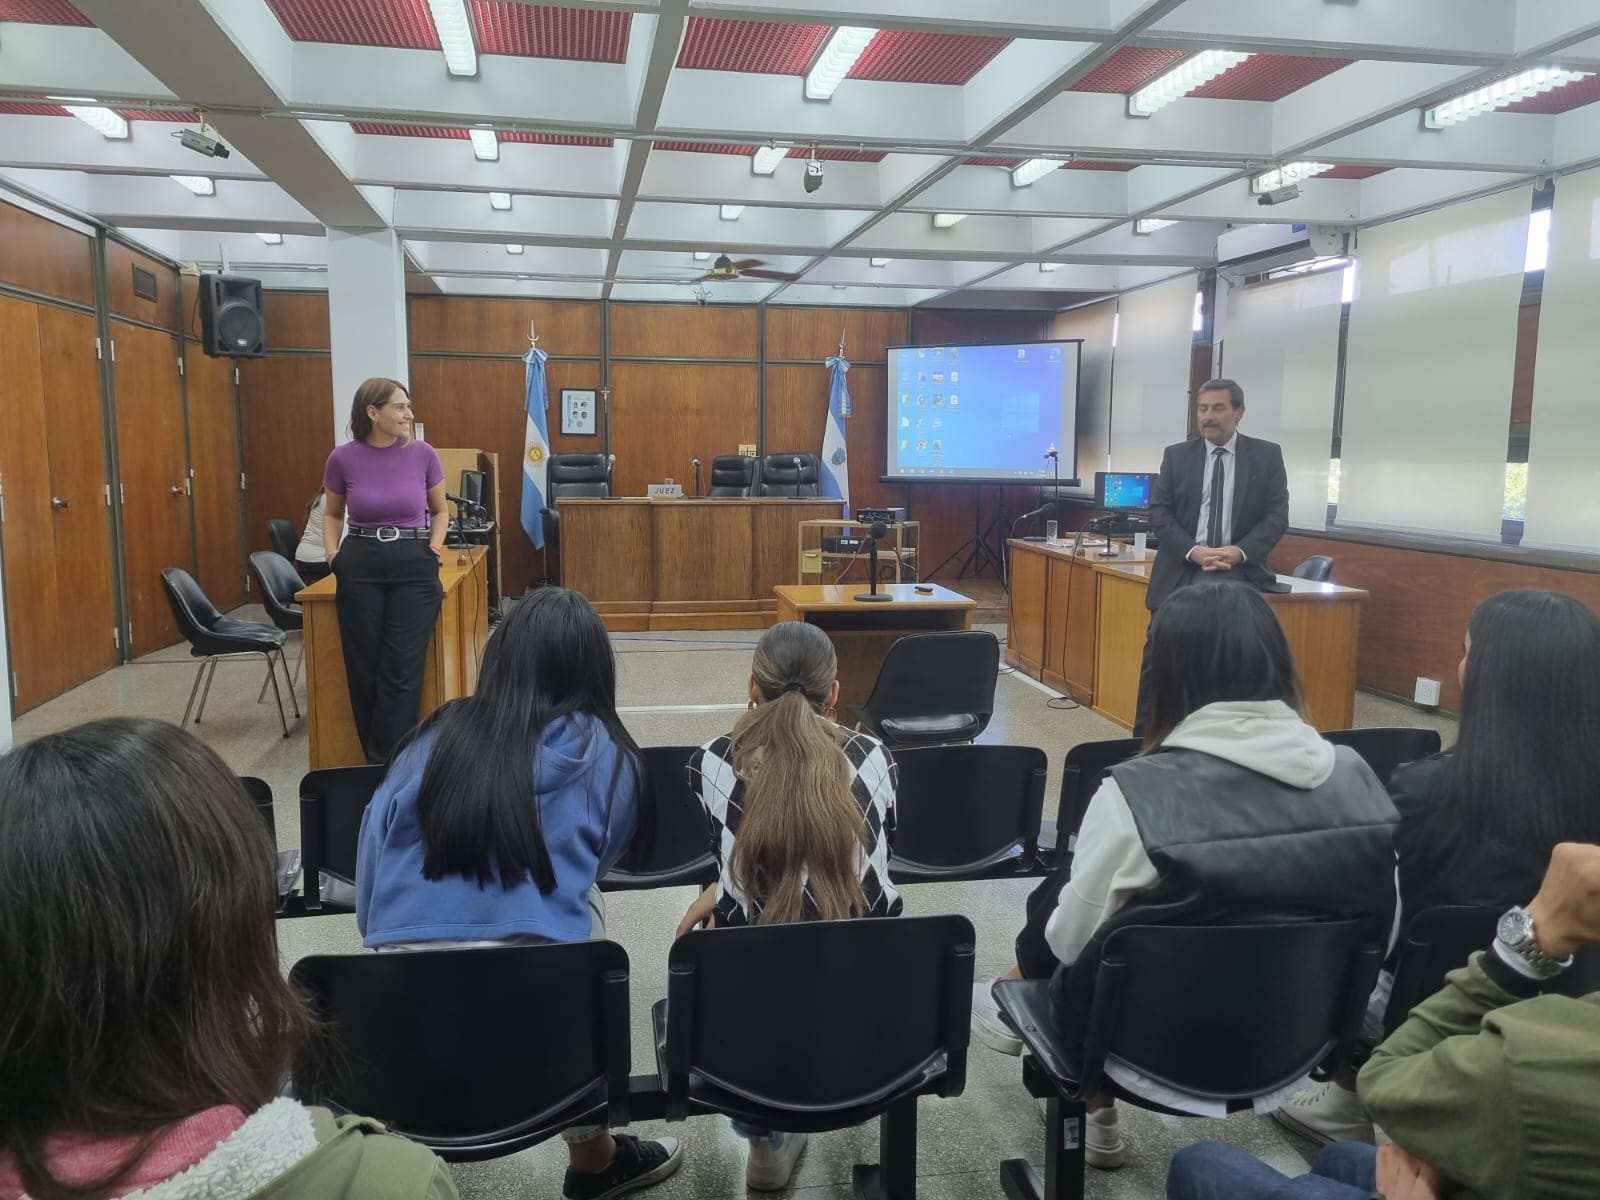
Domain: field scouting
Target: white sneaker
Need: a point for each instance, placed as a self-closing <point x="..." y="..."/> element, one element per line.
<point x="1325" y="1112"/>
<point x="988" y="1025"/>
<point x="772" y="1161"/>
<point x="1102" y="1140"/>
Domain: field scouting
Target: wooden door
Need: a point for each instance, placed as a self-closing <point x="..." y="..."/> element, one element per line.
<point x="82" y="522"/>
<point x="31" y="595"/>
<point x="155" y="505"/>
<point x="214" y="476"/>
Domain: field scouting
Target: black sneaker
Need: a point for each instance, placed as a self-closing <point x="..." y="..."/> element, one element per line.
<point x="636" y="1164"/>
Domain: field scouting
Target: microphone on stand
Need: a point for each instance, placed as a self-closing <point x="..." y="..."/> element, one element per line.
<point x="1047" y="509"/>
<point x="697" y="478"/>
<point x="798" y="466"/>
<point x="874" y="532"/>
<point x="611" y="461"/>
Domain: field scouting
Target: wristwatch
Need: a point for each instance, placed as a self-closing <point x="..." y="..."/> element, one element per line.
<point x="1515" y="933"/>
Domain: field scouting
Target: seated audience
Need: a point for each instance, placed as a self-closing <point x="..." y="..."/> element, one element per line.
<point x="145" y="1026"/>
<point x="1478" y="822"/>
<point x="1236" y="806"/>
<point x="310" y="556"/>
<point x="501" y="812"/>
<point x="802" y="814"/>
<point x="1487" y="1090"/>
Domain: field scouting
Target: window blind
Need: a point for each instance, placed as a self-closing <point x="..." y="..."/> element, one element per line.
<point x="1093" y="325"/>
<point x="1150" y="372"/>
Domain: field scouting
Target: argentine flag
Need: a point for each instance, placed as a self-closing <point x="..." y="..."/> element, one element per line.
<point x="835" y="463"/>
<point x="535" y="449"/>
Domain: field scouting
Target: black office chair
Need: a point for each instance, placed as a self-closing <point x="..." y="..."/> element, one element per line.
<point x="1386" y="749"/>
<point x="933" y="688"/>
<point x="967" y="812"/>
<point x="791" y="474"/>
<point x="733" y="476"/>
<point x="332" y="803"/>
<point x="260" y="793"/>
<point x="570" y="476"/>
<point x="285" y="538"/>
<point x="1226" y="1012"/>
<point x="213" y="637"/>
<point x="474" y="1053"/>
<point x="769" y="1024"/>
<point x="681" y="851"/>
<point x="1085" y="766"/>
<point x="279" y="581"/>
<point x="1316" y="568"/>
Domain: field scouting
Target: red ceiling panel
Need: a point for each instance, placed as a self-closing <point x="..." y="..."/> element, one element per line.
<point x="542" y="31"/>
<point x="757" y="47"/>
<point x="437" y="131"/>
<point x="1562" y="99"/>
<point x="159" y="114"/>
<point x="1095" y="165"/>
<point x="1268" y="77"/>
<point x="33" y="110"/>
<point x="403" y="24"/>
<point x="826" y="155"/>
<point x="900" y="56"/>
<point x="1129" y="69"/>
<point x="41" y="12"/>
<point x="990" y="161"/>
<point x="703" y="148"/>
<point x="554" y="139"/>
<point x="1352" y="171"/>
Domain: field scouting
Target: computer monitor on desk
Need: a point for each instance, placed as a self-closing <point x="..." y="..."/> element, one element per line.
<point x="472" y="487"/>
<point x="1122" y="491"/>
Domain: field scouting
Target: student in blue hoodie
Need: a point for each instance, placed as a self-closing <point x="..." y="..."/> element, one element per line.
<point x="499" y="814"/>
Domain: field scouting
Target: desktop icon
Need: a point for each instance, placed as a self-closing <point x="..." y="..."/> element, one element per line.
<point x="955" y="376"/>
<point x="922" y="445"/>
<point x="922" y="399"/>
<point x="938" y="376"/>
<point x="954" y="399"/>
<point x="938" y="353"/>
<point x="1021" y="353"/>
<point x="938" y="399"/>
<point x="922" y="377"/>
<point x="955" y="352"/>
<point x="938" y="446"/>
<point x="904" y="442"/>
<point x="905" y="422"/>
<point x="905" y="397"/>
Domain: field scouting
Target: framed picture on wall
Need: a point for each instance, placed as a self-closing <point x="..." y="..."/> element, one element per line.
<point x="578" y="409"/>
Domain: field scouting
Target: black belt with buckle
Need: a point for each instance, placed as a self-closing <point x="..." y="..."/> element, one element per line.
<point x="388" y="533"/>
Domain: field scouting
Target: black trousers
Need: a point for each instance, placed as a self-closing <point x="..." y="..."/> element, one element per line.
<point x="388" y="602"/>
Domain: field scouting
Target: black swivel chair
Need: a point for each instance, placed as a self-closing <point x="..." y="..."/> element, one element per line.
<point x="473" y="1053"/>
<point x="1226" y="1012"/>
<point x="571" y="476"/>
<point x="933" y="688"/>
<point x="767" y="1024"/>
<point x="1316" y="568"/>
<point x="780" y="476"/>
<point x="285" y="538"/>
<point x="212" y="637"/>
<point x="1387" y="749"/>
<point x="967" y="813"/>
<point x="733" y="476"/>
<point x="681" y="850"/>
<point x="1086" y="764"/>
<point x="279" y="582"/>
<point x="332" y="803"/>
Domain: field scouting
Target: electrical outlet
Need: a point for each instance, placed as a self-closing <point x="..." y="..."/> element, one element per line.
<point x="1427" y="692"/>
<point x="748" y="449"/>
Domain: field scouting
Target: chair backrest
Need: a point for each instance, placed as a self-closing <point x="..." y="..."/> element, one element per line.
<point x="332" y="803"/>
<point x="577" y="474"/>
<point x="474" y="1052"/>
<point x="931" y="674"/>
<point x="1386" y="749"/>
<point x="279" y="582"/>
<point x="194" y="613"/>
<point x="732" y="475"/>
<point x="1317" y="568"/>
<point x="285" y="538"/>
<point x="1085" y="765"/>
<point x="1230" y="1011"/>
<point x="781" y="477"/>
<point x="260" y="793"/>
<point x="967" y="812"/>
<point x="681" y="850"/>
<point x="775" y="1014"/>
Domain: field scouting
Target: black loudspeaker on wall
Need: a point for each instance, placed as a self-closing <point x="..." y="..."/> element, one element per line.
<point x="231" y="325"/>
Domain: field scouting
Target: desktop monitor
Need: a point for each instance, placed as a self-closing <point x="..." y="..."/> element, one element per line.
<point x="472" y="486"/>
<point x="1122" y="491"/>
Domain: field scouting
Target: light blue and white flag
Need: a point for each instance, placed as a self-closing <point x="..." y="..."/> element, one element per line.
<point x="535" y="449"/>
<point x="835" y="463"/>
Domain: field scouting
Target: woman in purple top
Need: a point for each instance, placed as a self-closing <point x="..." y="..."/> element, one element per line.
<point x="391" y="489"/>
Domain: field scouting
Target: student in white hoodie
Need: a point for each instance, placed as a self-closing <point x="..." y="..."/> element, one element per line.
<point x="1236" y="805"/>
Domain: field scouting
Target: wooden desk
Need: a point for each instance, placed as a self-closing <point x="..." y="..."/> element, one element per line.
<point x="454" y="654"/>
<point x="683" y="564"/>
<point x="862" y="633"/>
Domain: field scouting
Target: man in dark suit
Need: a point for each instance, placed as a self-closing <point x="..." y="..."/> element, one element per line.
<point x="1218" y="507"/>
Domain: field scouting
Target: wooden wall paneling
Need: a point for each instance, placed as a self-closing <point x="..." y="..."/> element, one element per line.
<point x="120" y="262"/>
<point x="956" y="326"/>
<point x="31" y="594"/>
<point x="1523" y="364"/>
<point x="214" y="476"/>
<point x="725" y="331"/>
<point x="478" y="325"/>
<point x="294" y="320"/>
<point x="797" y="413"/>
<point x="75" y="421"/>
<point x="665" y="415"/>
<point x="286" y="422"/>
<point x="150" y="449"/>
<point x="41" y="256"/>
<point x="812" y="334"/>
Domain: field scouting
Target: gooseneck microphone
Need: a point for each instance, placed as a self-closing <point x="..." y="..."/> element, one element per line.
<point x="696" y="464"/>
<point x="875" y="531"/>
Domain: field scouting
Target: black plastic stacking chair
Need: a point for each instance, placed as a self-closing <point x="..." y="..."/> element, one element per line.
<point x="1085" y="766"/>
<point x="1317" y="568"/>
<point x="1385" y="750"/>
<point x="967" y="812"/>
<point x="933" y="688"/>
<point x="285" y="538"/>
<point x="332" y="803"/>
<point x="279" y="582"/>
<point x="680" y="853"/>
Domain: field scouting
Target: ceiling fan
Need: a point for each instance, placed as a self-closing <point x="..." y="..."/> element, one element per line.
<point x="725" y="268"/>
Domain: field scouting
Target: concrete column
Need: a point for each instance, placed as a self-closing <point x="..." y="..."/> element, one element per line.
<point x="366" y="314"/>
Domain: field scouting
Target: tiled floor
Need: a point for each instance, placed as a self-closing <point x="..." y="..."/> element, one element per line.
<point x="684" y="688"/>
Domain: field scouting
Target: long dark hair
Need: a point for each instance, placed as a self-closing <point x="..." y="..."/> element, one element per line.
<point x="1526" y="766"/>
<point x="139" y="978"/>
<point x="374" y="393"/>
<point x="1215" y="642"/>
<point x="478" y="808"/>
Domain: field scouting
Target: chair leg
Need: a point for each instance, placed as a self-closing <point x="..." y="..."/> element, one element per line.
<point x="299" y="661"/>
<point x="895" y="1175"/>
<point x="272" y="674"/>
<point x="294" y="701"/>
<point x="1063" y="1158"/>
<point x="205" y="692"/>
<point x="189" y="708"/>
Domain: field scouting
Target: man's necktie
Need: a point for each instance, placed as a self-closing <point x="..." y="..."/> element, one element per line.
<point x="1214" y="521"/>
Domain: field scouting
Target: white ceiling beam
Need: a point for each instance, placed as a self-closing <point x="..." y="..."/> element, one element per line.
<point x="155" y="202"/>
<point x="870" y="297"/>
<point x="577" y="262"/>
<point x="512" y="286"/>
<point x="1545" y="26"/>
<point x="462" y="216"/>
<point x="1362" y="94"/>
<point x="523" y="167"/>
<point x="1577" y="139"/>
<point x="1494" y="142"/>
<point x="727" y="178"/>
<point x="1421" y="30"/>
<point x="1401" y="193"/>
<point x="1083" y="19"/>
<point x="850" y="269"/>
<point x="699" y="227"/>
<point x="64" y="59"/>
<point x="1097" y="123"/>
<point x="1188" y="243"/>
<point x="1018" y="76"/>
<point x="1325" y="201"/>
<point x="68" y="189"/>
<point x="970" y="189"/>
<point x="57" y="143"/>
<point x="890" y="115"/>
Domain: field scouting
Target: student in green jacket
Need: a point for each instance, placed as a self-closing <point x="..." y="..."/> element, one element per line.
<point x="1488" y="1090"/>
<point x="145" y="1026"/>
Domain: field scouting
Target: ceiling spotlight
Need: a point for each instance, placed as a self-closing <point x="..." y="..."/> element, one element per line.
<point x="485" y="144"/>
<point x="455" y="36"/>
<point x="1499" y="94"/>
<point x="839" y="54"/>
<point x="200" y="185"/>
<point x="880" y="262"/>
<point x="730" y="212"/>
<point x="271" y="239"/>
<point x="812" y="179"/>
<point x="1289" y="173"/>
<point x="1034" y="170"/>
<point x="1047" y="266"/>
<point x="1186" y="77"/>
<point x="102" y="120"/>
<point x="702" y="256"/>
<point x="946" y="220"/>
<point x="500" y="201"/>
<point x="766" y="159"/>
<point x="513" y="248"/>
<point x="1147" y="225"/>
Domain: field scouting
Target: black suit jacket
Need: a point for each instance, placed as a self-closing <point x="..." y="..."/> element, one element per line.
<point x="1260" y="511"/>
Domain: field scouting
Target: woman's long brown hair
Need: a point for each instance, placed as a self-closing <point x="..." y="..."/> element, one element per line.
<point x="801" y="827"/>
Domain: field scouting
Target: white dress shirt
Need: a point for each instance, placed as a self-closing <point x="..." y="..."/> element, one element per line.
<point x="1230" y="462"/>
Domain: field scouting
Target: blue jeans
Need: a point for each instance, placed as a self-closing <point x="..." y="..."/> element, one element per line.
<point x="751" y="1134"/>
<point x="1213" y="1171"/>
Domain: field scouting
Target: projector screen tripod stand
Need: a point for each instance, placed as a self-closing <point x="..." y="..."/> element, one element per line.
<point x="986" y="546"/>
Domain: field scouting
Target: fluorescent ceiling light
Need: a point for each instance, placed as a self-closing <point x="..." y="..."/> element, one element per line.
<point x="1188" y="75"/>
<point x="766" y="159"/>
<point x="880" y="262"/>
<point x="1271" y="181"/>
<point x="455" y="36"/>
<point x="730" y="212"/>
<point x="513" y="248"/>
<point x="102" y="120"/>
<point x="946" y="220"/>
<point x="485" y="144"/>
<point x="1033" y="170"/>
<point x="702" y="256"/>
<point x="271" y="239"/>
<point x="200" y="185"/>
<point x="1048" y="266"/>
<point x="839" y="54"/>
<point x="1499" y="94"/>
<point x="500" y="201"/>
<point x="1151" y="224"/>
